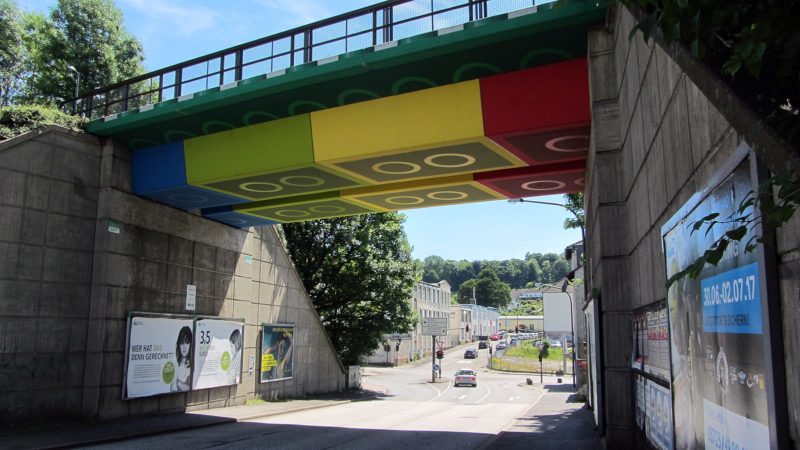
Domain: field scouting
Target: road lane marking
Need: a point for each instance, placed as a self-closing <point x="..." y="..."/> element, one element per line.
<point x="488" y="391"/>
<point x="437" y="390"/>
<point x="462" y="397"/>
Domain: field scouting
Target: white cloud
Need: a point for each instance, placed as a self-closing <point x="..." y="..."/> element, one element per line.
<point x="176" y="17"/>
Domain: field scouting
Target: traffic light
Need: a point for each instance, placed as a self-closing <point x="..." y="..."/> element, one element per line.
<point x="439" y="354"/>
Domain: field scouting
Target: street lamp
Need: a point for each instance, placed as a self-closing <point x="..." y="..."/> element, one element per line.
<point x="578" y="219"/>
<point x="77" y="86"/>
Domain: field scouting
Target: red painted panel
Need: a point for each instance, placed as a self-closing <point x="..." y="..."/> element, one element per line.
<point x="545" y="179"/>
<point x="541" y="98"/>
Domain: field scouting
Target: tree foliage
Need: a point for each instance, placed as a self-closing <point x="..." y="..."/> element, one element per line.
<point x="86" y="34"/>
<point x="359" y="274"/>
<point x="754" y="46"/>
<point x="489" y="290"/>
<point x="574" y="204"/>
<point x="16" y="120"/>
<point x="12" y="51"/>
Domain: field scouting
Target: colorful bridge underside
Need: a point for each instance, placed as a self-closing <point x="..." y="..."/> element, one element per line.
<point x="404" y="142"/>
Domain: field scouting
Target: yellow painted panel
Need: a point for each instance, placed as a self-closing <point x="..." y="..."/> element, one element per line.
<point x="417" y="119"/>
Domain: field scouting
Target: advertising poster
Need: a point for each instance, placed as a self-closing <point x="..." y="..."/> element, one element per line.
<point x="641" y="382"/>
<point x="277" y="343"/>
<point x="657" y="344"/>
<point x="718" y="362"/>
<point x="658" y="416"/>
<point x="158" y="356"/>
<point x="217" y="353"/>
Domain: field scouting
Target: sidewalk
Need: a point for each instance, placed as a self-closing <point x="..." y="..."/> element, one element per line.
<point x="556" y="422"/>
<point x="86" y="434"/>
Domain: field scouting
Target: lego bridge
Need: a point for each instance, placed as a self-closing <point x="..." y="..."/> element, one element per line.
<point x="492" y="108"/>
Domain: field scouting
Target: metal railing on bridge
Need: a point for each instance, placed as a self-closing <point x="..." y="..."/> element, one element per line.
<point x="374" y="25"/>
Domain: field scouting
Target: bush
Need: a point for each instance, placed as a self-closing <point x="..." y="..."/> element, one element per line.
<point x="16" y="120"/>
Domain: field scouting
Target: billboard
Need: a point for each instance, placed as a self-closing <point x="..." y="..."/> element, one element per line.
<point x="277" y="355"/>
<point x="719" y="368"/>
<point x="557" y="312"/>
<point x="217" y="353"/>
<point x="158" y="355"/>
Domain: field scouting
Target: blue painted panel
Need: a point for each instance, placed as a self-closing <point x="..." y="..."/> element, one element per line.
<point x="159" y="173"/>
<point x="158" y="168"/>
<point x="227" y="216"/>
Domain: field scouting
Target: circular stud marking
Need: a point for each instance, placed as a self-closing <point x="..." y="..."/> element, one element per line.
<point x="308" y="105"/>
<point x="267" y="189"/>
<point x="397" y="87"/>
<point x="467" y="160"/>
<point x="326" y="209"/>
<point x="553" y="144"/>
<point x="487" y="69"/>
<point x="412" y="168"/>
<point x="531" y="185"/>
<point x="177" y="135"/>
<point x="344" y="96"/>
<point x="404" y="200"/>
<point x="247" y="119"/>
<point x="235" y="221"/>
<point x="580" y="181"/>
<point x="292" y="213"/>
<point x="302" y="181"/>
<point x="216" y="123"/>
<point x="447" y="196"/>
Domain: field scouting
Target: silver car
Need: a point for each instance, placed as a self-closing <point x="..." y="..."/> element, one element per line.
<point x="466" y="376"/>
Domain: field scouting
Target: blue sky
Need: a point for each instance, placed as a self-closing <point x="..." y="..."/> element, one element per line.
<point x="172" y="31"/>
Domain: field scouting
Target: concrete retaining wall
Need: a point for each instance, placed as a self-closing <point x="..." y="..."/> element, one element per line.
<point x="67" y="283"/>
<point x="656" y="138"/>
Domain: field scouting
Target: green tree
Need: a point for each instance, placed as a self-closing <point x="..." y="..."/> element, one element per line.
<point x="359" y="274"/>
<point x="574" y="204"/>
<point x="489" y="290"/>
<point x="13" y="54"/>
<point x="88" y="35"/>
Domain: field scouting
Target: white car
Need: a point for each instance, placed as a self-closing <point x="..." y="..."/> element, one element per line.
<point x="466" y="376"/>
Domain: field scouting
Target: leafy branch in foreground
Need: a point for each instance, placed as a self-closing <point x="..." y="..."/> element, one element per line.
<point x="772" y="206"/>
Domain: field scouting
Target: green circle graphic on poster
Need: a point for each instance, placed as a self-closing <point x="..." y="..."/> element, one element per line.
<point x="225" y="361"/>
<point x="168" y="372"/>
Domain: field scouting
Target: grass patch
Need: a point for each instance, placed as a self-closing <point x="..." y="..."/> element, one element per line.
<point x="255" y="401"/>
<point x="529" y="351"/>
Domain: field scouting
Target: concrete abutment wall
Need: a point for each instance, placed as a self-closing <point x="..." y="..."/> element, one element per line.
<point x="656" y="140"/>
<point x="79" y="252"/>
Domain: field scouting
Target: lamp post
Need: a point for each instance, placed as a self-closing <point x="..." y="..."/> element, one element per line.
<point x="77" y="87"/>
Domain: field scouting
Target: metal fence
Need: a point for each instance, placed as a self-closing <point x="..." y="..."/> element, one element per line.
<point x="374" y="25"/>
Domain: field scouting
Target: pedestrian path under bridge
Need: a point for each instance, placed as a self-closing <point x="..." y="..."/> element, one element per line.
<point x="405" y="104"/>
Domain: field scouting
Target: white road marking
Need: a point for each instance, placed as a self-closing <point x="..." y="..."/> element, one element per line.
<point x="488" y="391"/>
<point x="437" y="390"/>
<point x="462" y="397"/>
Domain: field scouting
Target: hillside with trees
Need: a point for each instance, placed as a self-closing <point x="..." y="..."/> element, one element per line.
<point x="516" y="273"/>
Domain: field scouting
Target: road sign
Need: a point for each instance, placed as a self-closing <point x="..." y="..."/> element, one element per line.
<point x="434" y="326"/>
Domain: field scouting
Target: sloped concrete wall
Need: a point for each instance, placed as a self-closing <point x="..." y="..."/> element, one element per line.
<point x="67" y="283"/>
<point x="49" y="190"/>
<point x="656" y="139"/>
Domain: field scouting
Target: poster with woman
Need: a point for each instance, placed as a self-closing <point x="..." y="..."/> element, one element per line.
<point x="276" y="352"/>
<point x="217" y="353"/>
<point x="158" y="356"/>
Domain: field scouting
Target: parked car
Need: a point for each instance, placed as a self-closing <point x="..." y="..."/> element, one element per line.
<point x="555" y="344"/>
<point x="470" y="353"/>
<point x="483" y="344"/>
<point x="466" y="376"/>
<point x="494" y="337"/>
<point x="501" y="346"/>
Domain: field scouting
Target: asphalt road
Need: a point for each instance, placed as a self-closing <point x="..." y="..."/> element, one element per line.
<point x="413" y="412"/>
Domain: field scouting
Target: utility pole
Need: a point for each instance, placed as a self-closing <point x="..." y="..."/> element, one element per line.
<point x="433" y="359"/>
